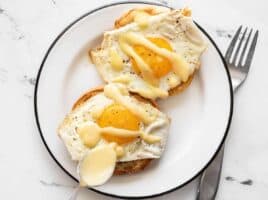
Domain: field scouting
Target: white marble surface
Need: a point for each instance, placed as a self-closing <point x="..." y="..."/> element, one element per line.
<point x="28" y="27"/>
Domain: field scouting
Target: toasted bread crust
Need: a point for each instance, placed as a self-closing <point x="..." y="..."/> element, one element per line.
<point x="121" y="168"/>
<point x="131" y="167"/>
<point x="129" y="16"/>
<point x="181" y="87"/>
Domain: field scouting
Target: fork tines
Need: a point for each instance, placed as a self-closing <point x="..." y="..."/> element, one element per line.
<point x="236" y="48"/>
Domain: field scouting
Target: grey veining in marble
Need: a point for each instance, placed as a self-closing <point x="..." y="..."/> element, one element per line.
<point x="29" y="80"/>
<point x="1" y="10"/>
<point x="164" y="2"/>
<point x="54" y="2"/>
<point x="224" y="33"/>
<point x="54" y="184"/>
<point x="247" y="182"/>
<point x="3" y="75"/>
<point x="17" y="34"/>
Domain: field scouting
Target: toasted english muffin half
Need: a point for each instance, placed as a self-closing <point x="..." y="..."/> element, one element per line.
<point x="129" y="17"/>
<point x="121" y="168"/>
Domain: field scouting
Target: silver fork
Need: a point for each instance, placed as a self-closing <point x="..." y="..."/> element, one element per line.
<point x="238" y="69"/>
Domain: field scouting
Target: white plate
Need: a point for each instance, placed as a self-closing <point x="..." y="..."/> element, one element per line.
<point x="200" y="116"/>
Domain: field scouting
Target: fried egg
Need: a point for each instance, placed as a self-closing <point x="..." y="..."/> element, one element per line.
<point x="136" y="128"/>
<point x="152" y="54"/>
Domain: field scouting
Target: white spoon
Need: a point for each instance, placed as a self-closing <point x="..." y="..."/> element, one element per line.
<point x="95" y="168"/>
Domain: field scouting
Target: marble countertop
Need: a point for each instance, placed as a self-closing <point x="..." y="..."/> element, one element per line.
<point x="28" y="27"/>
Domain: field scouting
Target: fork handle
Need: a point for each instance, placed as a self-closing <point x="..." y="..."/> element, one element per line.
<point x="210" y="178"/>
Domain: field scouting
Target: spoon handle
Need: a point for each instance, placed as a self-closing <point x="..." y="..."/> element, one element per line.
<point x="75" y="193"/>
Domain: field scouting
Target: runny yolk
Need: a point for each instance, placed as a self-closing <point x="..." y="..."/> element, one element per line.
<point x="159" y="64"/>
<point x="118" y="116"/>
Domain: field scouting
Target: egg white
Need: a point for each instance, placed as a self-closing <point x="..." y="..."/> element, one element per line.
<point x="137" y="149"/>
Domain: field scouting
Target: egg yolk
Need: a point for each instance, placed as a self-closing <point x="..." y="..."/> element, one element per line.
<point x="159" y="64"/>
<point x="118" y="116"/>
